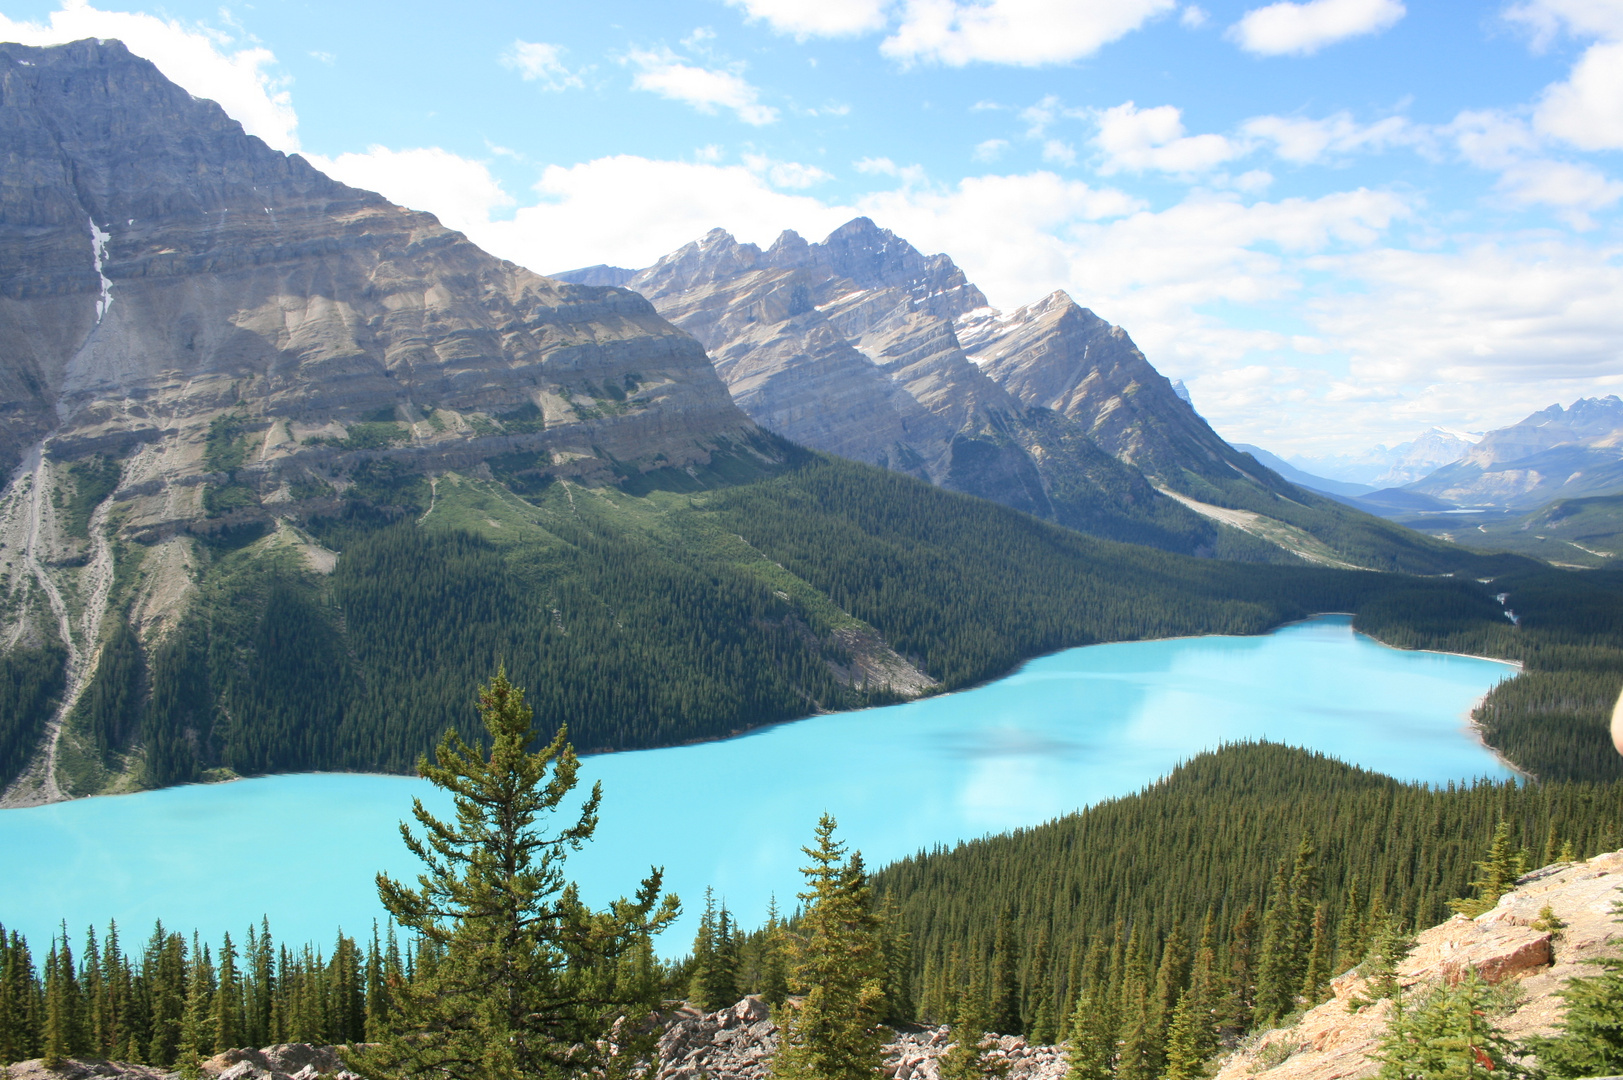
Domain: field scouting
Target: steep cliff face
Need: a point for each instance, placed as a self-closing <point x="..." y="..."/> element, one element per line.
<point x="159" y="267"/>
<point x="1059" y="355"/>
<point x="849" y="346"/>
<point x="212" y="337"/>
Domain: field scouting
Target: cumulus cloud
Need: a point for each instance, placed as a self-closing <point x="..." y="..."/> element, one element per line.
<point x="1304" y="140"/>
<point x="706" y="89"/>
<point x="209" y="63"/>
<point x="459" y="191"/>
<point x="1494" y="313"/>
<point x="1022" y="32"/>
<point x="1573" y="189"/>
<point x="628" y="211"/>
<point x="1303" y="29"/>
<point x="1586" y="110"/>
<point x="1138" y="140"/>
<point x="539" y="62"/>
<point x="785" y="174"/>
<point x="991" y="149"/>
<point x="817" y="18"/>
<point x="1582" y="18"/>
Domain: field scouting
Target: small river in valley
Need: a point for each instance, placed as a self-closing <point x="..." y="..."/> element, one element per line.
<point x="1063" y="732"/>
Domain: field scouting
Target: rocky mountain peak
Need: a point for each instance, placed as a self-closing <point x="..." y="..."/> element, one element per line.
<point x="875" y="258"/>
<point x="717" y="256"/>
<point x="790" y="250"/>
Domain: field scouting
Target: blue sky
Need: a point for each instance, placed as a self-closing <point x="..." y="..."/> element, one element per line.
<point x="1340" y="221"/>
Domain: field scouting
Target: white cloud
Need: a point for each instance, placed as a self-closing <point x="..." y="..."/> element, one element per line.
<point x="207" y="62"/>
<point x="1492" y="314"/>
<point x="1303" y="29"/>
<point x="538" y="61"/>
<point x="460" y="192"/>
<point x="1058" y="152"/>
<point x="628" y="211"/>
<point x="706" y="89"/>
<point x="1008" y="232"/>
<point x="1135" y="140"/>
<point x="1023" y="32"/>
<point x="1574" y="189"/>
<point x="1582" y="18"/>
<point x="1587" y="110"/>
<point x="817" y="18"/>
<point x="785" y="174"/>
<point x="1302" y="140"/>
<point x="1490" y="139"/>
<point x="909" y="175"/>
<point x="991" y="149"/>
<point x="1193" y="17"/>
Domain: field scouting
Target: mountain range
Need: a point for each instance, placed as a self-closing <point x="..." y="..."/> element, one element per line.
<point x="862" y="346"/>
<point x="293" y="468"/>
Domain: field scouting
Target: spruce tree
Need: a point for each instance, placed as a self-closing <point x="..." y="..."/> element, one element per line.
<point x="1496" y="875"/>
<point x="522" y="980"/>
<point x="1316" y="980"/>
<point x="227" y="1000"/>
<point x="969" y="1056"/>
<point x="1003" y="997"/>
<point x="839" y="967"/>
<point x="1091" y="1039"/>
<point x="773" y="964"/>
<point x="1450" y="1035"/>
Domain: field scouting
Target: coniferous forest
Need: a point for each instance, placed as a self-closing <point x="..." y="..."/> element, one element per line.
<point x="1248" y="877"/>
<point x="664" y="616"/>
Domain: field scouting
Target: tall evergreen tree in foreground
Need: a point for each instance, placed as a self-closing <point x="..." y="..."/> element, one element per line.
<point x="522" y="978"/>
<point x="839" y="965"/>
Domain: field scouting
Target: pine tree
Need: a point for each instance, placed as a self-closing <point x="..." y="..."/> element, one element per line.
<point x="1287" y="928"/>
<point x="1192" y="1034"/>
<point x="1496" y="875"/>
<point x="1450" y="1035"/>
<point x="1003" y="996"/>
<point x="835" y="1032"/>
<point x="518" y="985"/>
<point x="897" y="945"/>
<point x="774" y="968"/>
<point x="714" y="984"/>
<point x="1316" y="979"/>
<point x="227" y="1000"/>
<point x="1091" y="1039"/>
<point x="968" y="1057"/>
<point x="1240" y="1001"/>
<point x="197" y="1018"/>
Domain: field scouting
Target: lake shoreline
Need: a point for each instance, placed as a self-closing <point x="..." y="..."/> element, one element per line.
<point x="1469" y="723"/>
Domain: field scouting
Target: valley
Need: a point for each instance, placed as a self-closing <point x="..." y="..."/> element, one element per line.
<point x="1136" y="738"/>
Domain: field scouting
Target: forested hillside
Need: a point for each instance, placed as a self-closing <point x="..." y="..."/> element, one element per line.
<point x="1291" y="864"/>
<point x="639" y="617"/>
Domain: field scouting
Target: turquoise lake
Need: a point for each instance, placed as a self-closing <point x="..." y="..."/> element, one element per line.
<point x="1063" y="732"/>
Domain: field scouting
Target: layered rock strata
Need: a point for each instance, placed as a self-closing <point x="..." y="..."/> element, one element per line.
<point x="852" y="346"/>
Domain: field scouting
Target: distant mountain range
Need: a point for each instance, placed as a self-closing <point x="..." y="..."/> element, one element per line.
<point x="863" y="346"/>
<point x="1384" y="467"/>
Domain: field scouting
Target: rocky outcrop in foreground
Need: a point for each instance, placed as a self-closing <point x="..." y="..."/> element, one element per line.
<point x="738" y="1043"/>
<point x="285" y="1061"/>
<point x="1333" y="1041"/>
